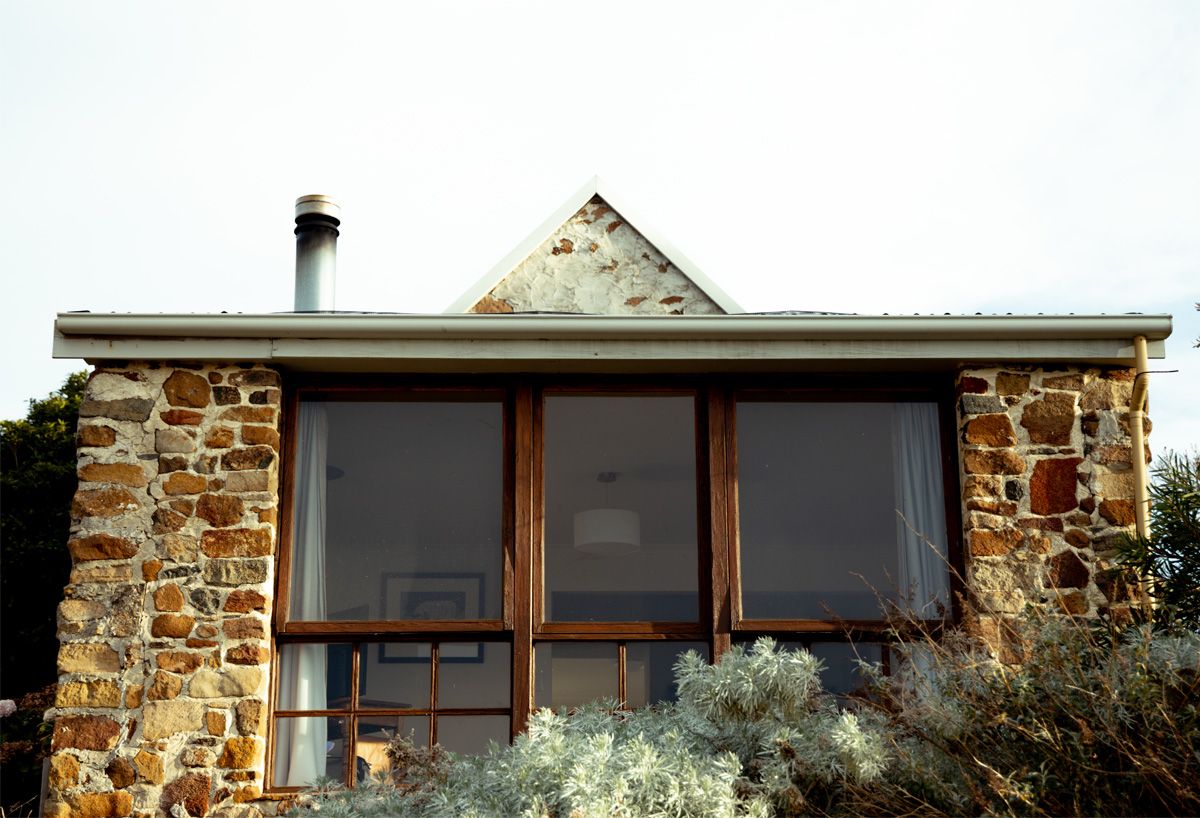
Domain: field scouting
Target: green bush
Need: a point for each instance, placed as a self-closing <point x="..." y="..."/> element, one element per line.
<point x="1169" y="558"/>
<point x="37" y="480"/>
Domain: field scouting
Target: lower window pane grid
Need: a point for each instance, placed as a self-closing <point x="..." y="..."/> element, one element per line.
<point x="634" y="673"/>
<point x="374" y="692"/>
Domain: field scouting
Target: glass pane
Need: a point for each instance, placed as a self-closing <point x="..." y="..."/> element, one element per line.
<point x="413" y="728"/>
<point x="307" y="749"/>
<point x="395" y="675"/>
<point x="471" y="734"/>
<point x="474" y="674"/>
<point x="840" y="675"/>
<point x="373" y="736"/>
<point x="838" y="501"/>
<point x="620" y="497"/>
<point x="314" y="677"/>
<point x="568" y="674"/>
<point x="374" y="732"/>
<point x="398" y="510"/>
<point x="649" y="670"/>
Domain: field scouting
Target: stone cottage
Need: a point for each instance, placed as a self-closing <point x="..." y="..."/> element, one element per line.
<point x="299" y="534"/>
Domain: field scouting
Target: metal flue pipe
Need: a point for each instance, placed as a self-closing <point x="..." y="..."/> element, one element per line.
<point x="317" y="221"/>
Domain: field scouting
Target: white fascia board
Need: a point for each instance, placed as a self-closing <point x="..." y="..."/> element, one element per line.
<point x="157" y="348"/>
<point x="594" y="187"/>
<point x="634" y="355"/>
<point x="398" y="341"/>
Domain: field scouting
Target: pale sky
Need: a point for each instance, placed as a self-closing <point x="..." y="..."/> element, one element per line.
<point x="860" y="157"/>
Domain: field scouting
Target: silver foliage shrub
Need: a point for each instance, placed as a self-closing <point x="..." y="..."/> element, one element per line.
<point x="1095" y="720"/>
<point x="753" y="735"/>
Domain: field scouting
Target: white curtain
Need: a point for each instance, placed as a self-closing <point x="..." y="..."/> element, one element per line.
<point x="920" y="513"/>
<point x="300" y="744"/>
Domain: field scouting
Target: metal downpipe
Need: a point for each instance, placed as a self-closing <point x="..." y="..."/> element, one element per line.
<point x="1137" y="456"/>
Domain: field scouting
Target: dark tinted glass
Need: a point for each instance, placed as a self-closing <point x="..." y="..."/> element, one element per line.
<point x="620" y="501"/>
<point x="569" y="674"/>
<point x="841" y="674"/>
<point x="474" y="674"/>
<point x="395" y="675"/>
<point x="398" y="510"/>
<point x="471" y="734"/>
<point x="649" y="670"/>
<point x="824" y="490"/>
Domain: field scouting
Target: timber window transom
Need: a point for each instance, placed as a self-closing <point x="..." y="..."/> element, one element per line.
<point x="455" y="556"/>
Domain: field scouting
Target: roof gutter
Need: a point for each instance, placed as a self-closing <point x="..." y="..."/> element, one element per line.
<point x="375" y="342"/>
<point x="731" y="327"/>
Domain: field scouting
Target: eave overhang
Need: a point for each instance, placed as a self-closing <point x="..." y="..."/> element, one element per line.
<point x="373" y="342"/>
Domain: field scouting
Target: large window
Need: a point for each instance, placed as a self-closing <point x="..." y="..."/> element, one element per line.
<point x="454" y="557"/>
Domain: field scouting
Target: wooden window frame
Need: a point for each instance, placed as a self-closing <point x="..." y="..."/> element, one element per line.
<point x="355" y="711"/>
<point x="719" y="622"/>
<point x="355" y="633"/>
<point x="849" y="629"/>
<point x="544" y="628"/>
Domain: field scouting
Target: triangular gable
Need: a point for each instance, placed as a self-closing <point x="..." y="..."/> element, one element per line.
<point x="589" y="258"/>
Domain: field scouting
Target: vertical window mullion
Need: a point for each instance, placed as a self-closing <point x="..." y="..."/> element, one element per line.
<point x="287" y="505"/>
<point x="351" y="743"/>
<point x="526" y="473"/>
<point x="509" y="515"/>
<point x="722" y="493"/>
<point x="434" y="651"/>
<point x="350" y="749"/>
<point x="621" y="695"/>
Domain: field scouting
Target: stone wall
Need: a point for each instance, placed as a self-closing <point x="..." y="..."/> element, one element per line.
<point x="597" y="263"/>
<point x="1047" y="483"/>
<point x="164" y="627"/>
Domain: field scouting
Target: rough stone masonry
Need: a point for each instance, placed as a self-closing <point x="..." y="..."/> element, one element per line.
<point x="164" y="627"/>
<point x="1047" y="486"/>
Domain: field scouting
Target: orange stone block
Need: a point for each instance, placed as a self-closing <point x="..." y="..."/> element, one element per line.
<point x="185" y="483"/>
<point x="187" y="389"/>
<point x="168" y="598"/>
<point x="103" y="503"/>
<point x="126" y="474"/>
<point x="173" y="626"/>
<point x="101" y="547"/>
<point x="990" y="430"/>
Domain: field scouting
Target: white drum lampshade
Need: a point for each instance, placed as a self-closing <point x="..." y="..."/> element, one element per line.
<point x="608" y="531"/>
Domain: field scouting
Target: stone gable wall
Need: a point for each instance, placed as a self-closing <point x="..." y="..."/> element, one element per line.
<point x="164" y="627"/>
<point x="1047" y="484"/>
<point x="597" y="263"/>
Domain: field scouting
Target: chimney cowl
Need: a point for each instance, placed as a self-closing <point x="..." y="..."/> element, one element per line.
<point x="318" y="205"/>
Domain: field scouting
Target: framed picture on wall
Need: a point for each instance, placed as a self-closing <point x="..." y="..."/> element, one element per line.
<point x="431" y="597"/>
